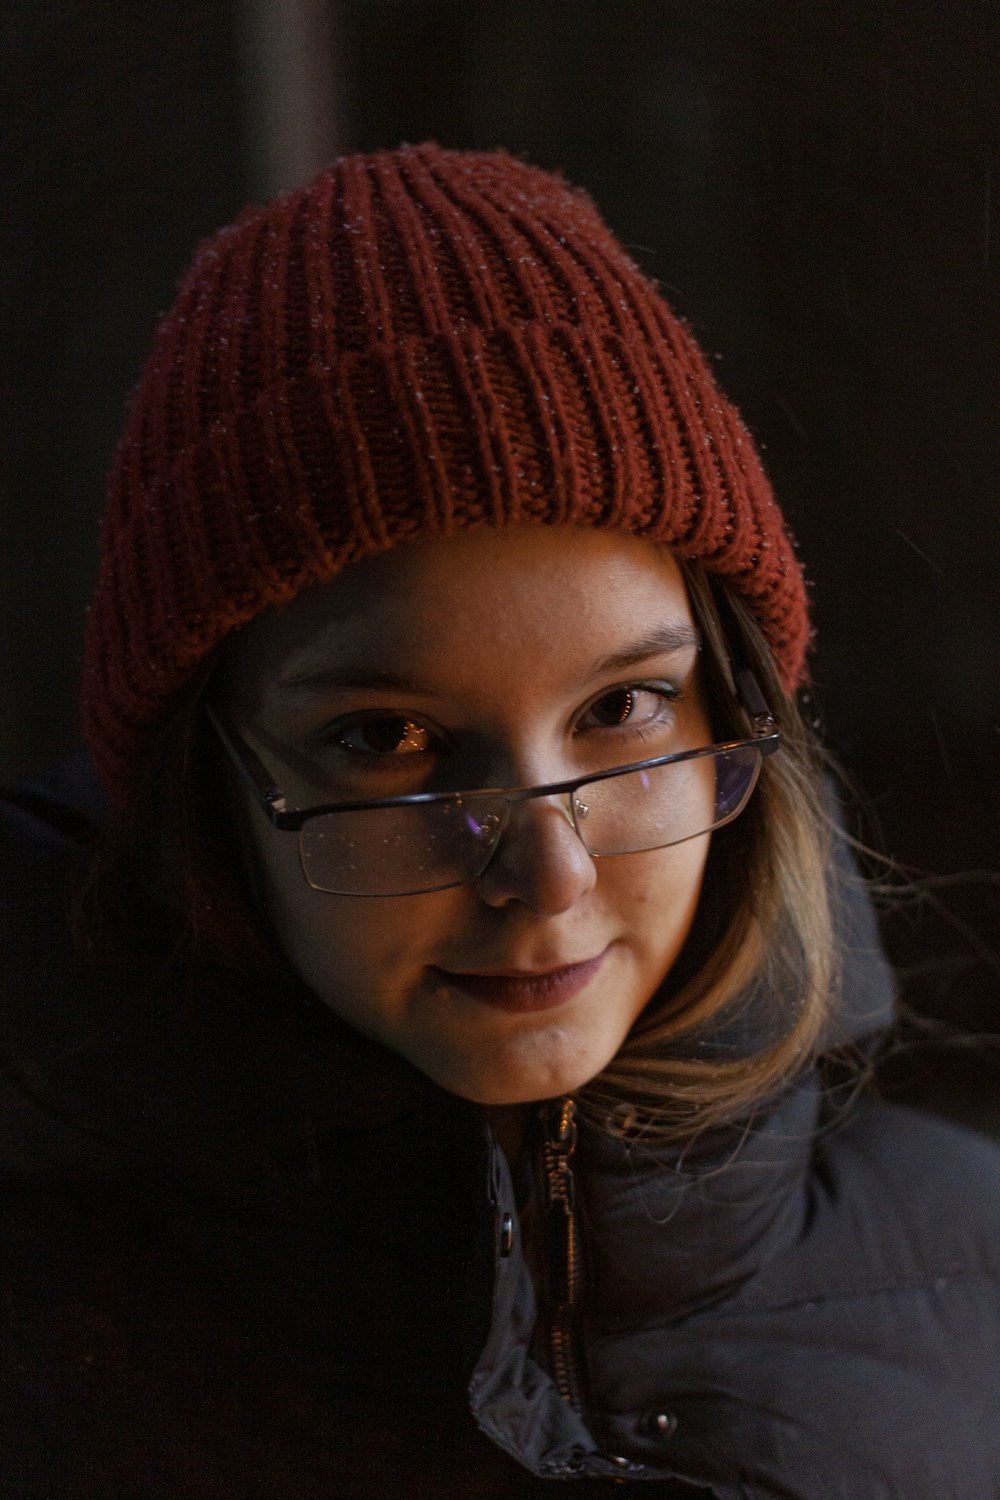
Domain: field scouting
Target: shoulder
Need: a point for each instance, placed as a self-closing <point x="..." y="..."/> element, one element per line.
<point x="902" y="1212"/>
<point x="940" y="1178"/>
<point x="901" y="1197"/>
<point x="875" y="1333"/>
<point x="56" y="812"/>
<point x="46" y="827"/>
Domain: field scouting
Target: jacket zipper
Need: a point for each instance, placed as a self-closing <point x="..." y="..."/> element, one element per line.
<point x="562" y="1246"/>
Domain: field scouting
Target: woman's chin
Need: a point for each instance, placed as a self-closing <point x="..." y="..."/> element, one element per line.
<point x="535" y="1069"/>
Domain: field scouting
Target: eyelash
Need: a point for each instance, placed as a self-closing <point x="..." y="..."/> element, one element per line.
<point x="333" y="736"/>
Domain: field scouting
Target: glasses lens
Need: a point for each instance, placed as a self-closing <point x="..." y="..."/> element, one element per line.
<point x="664" y="805"/>
<point x="398" y="851"/>
<point x="395" y="851"/>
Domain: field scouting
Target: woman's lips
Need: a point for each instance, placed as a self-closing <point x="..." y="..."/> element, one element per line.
<point x="525" y="992"/>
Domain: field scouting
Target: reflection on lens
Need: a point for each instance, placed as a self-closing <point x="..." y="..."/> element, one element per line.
<point x="388" y="851"/>
<point x="663" y="805"/>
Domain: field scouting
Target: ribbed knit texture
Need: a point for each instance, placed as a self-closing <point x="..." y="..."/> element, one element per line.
<point x="417" y="343"/>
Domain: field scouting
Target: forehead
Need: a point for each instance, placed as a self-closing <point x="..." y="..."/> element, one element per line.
<point x="470" y="603"/>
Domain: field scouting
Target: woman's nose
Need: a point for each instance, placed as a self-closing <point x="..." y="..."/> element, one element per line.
<point x="540" y="860"/>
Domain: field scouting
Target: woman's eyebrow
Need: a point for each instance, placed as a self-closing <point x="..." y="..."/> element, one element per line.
<point x="661" y="641"/>
<point x="348" y="677"/>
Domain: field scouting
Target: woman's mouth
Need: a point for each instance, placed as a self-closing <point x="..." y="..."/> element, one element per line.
<point x="523" y="991"/>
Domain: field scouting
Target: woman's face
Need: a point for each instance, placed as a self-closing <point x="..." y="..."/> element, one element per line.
<point x="506" y="659"/>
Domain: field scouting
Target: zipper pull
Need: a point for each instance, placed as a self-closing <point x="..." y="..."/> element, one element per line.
<point x="560" y="1144"/>
<point x="561" y="1131"/>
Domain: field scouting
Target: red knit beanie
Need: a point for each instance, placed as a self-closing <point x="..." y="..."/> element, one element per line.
<point x="418" y="342"/>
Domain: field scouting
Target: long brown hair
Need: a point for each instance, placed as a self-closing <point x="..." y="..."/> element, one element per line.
<point x="746" y="1007"/>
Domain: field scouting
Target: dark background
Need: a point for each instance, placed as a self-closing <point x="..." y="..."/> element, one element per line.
<point x="816" y="185"/>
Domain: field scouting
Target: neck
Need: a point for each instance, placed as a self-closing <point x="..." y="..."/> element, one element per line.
<point x="509" y="1123"/>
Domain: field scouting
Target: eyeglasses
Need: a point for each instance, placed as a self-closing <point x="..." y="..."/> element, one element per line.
<point x="430" y="841"/>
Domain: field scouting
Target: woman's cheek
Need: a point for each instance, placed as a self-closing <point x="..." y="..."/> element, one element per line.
<point x="359" y="952"/>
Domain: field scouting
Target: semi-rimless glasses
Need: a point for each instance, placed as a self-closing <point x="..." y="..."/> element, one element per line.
<point x="405" y="846"/>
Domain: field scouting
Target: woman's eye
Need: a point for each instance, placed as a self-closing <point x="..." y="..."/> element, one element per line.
<point x="628" y="705"/>
<point x="390" y="734"/>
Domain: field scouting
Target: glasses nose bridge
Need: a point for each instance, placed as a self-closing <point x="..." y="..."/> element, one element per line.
<point x="568" y="802"/>
<point x="533" y="858"/>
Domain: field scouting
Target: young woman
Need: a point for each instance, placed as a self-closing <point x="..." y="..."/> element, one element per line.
<point x="449" y="1095"/>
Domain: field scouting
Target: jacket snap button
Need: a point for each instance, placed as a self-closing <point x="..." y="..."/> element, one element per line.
<point x="663" y="1424"/>
<point x="506" y="1234"/>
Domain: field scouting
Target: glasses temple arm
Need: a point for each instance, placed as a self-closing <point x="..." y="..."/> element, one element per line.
<point x="754" y="702"/>
<point x="250" y="767"/>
